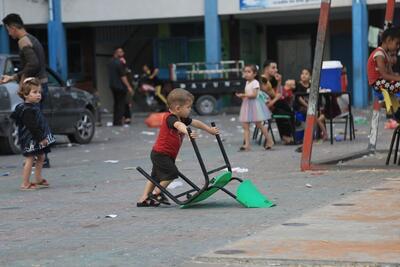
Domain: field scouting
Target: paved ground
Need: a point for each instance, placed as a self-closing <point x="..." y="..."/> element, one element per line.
<point x="359" y="229"/>
<point x="65" y="225"/>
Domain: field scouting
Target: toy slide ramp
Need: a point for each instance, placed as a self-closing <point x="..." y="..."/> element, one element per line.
<point x="249" y="196"/>
<point x="219" y="181"/>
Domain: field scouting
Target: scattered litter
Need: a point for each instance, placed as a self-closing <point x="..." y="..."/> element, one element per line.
<point x="129" y="168"/>
<point x="175" y="184"/>
<point x="108" y="181"/>
<point x="338" y="138"/>
<point x="85" y="160"/>
<point x="308" y="185"/>
<point x="233" y="119"/>
<point x="240" y="170"/>
<point x="148" y="133"/>
<point x="87" y="151"/>
<point x="111" y="216"/>
<point x="126" y="125"/>
<point x="111" y="161"/>
<point x="340" y="162"/>
<point x="109" y="124"/>
<point x="365" y="156"/>
<point x="5" y="174"/>
<point x="69" y="145"/>
<point x="360" y="120"/>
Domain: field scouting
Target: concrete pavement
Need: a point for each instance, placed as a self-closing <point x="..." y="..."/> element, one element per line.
<point x="359" y="230"/>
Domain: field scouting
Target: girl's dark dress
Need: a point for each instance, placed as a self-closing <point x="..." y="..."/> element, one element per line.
<point x="32" y="129"/>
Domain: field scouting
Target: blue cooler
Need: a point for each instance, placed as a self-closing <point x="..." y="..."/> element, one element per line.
<point x="331" y="76"/>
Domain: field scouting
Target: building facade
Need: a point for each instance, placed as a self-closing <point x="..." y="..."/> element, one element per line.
<point x="81" y="35"/>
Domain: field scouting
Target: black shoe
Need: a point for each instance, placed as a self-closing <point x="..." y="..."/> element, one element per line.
<point x="46" y="163"/>
<point x="160" y="198"/>
<point x="396" y="115"/>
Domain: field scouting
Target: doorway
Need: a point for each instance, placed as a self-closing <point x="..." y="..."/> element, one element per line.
<point x="294" y="54"/>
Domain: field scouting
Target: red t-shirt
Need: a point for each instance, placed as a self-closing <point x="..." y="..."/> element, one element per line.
<point x="372" y="67"/>
<point x="169" y="139"/>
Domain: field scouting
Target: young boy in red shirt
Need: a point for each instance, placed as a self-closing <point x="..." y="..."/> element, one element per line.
<point x="169" y="140"/>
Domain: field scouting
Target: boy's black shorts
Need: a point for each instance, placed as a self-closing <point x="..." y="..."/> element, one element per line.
<point x="164" y="168"/>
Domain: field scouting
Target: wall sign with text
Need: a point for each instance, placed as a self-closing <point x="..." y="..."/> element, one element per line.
<point x="262" y="4"/>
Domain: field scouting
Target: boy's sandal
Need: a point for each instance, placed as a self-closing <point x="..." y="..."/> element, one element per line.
<point x="147" y="203"/>
<point x="268" y="147"/>
<point x="243" y="149"/>
<point x="30" y="187"/>
<point x="160" y="198"/>
<point x="42" y="184"/>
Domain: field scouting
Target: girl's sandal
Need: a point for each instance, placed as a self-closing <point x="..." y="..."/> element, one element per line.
<point x="30" y="187"/>
<point x="42" y="184"/>
<point x="268" y="147"/>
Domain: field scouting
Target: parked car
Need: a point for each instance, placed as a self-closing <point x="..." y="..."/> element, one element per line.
<point x="69" y="110"/>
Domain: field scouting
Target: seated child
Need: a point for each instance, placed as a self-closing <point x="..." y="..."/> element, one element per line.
<point x="380" y="74"/>
<point x="288" y="89"/>
<point x="169" y="140"/>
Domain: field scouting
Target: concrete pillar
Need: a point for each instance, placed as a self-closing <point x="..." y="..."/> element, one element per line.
<point x="4" y="41"/>
<point x="56" y="40"/>
<point x="212" y="31"/>
<point x="360" y="53"/>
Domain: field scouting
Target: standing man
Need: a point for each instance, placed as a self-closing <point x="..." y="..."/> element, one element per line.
<point x="33" y="61"/>
<point x="119" y="84"/>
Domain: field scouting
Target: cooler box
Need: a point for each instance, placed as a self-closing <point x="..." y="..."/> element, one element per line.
<point x="331" y="76"/>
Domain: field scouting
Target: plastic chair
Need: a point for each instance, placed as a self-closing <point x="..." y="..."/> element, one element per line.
<point x="345" y="117"/>
<point x="391" y="106"/>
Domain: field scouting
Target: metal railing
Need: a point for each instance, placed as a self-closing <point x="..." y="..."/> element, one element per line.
<point x="203" y="70"/>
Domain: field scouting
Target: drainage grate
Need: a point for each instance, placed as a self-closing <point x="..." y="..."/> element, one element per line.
<point x="230" y="251"/>
<point x="383" y="189"/>
<point x="10" y="208"/>
<point x="294" y="224"/>
<point x="343" y="204"/>
<point x="90" y="226"/>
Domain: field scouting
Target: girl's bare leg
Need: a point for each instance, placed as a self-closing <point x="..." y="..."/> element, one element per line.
<point x="321" y="124"/>
<point x="26" y="172"/>
<point x="266" y="134"/>
<point x="38" y="168"/>
<point x="246" y="134"/>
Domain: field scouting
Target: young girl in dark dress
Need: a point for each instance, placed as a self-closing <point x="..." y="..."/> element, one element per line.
<point x="34" y="133"/>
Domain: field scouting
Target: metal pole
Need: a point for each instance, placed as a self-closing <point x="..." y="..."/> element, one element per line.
<point x="314" y="90"/>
